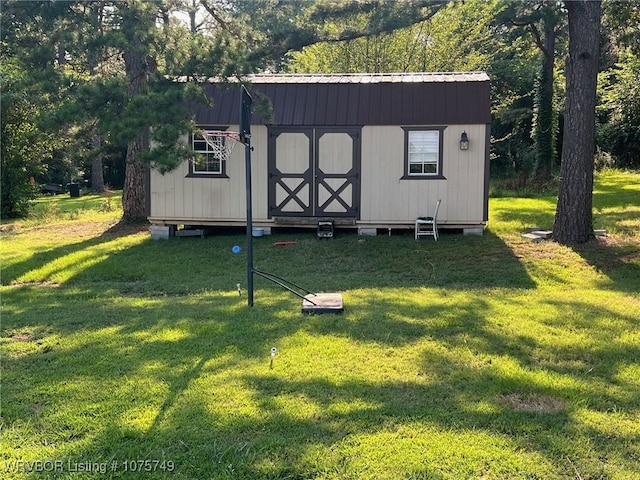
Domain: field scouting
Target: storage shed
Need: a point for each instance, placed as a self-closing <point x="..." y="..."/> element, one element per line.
<point x="367" y="151"/>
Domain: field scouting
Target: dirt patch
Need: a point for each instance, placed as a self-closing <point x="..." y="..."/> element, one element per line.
<point x="8" y="227"/>
<point x="532" y="402"/>
<point x="631" y="258"/>
<point x="23" y="337"/>
<point x="122" y="229"/>
<point x="34" y="284"/>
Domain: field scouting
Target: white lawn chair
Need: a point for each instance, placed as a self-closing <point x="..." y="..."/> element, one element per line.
<point x="426" y="226"/>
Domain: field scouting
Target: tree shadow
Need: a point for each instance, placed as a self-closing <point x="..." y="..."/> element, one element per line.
<point x="619" y="262"/>
<point x="193" y="421"/>
<point x="186" y="331"/>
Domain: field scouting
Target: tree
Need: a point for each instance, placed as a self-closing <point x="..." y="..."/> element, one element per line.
<point x="269" y="29"/>
<point x="21" y="145"/>
<point x="573" y="219"/>
<point x="137" y="25"/>
<point x="29" y="82"/>
<point x="455" y="38"/>
<point x="545" y="22"/>
<point x="618" y="131"/>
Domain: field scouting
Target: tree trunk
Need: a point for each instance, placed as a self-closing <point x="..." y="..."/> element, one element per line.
<point x="573" y="220"/>
<point x="134" y="190"/>
<point x="134" y="194"/>
<point x="138" y="66"/>
<point x="97" y="175"/>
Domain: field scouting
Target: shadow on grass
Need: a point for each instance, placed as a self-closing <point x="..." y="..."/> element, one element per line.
<point x="620" y="263"/>
<point x="14" y="271"/>
<point x="158" y="371"/>
<point x="137" y="352"/>
<point x="189" y="265"/>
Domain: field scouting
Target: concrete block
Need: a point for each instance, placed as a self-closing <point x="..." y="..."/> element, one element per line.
<point x="161" y="232"/>
<point x="479" y="231"/>
<point x="369" y="232"/>
<point x="543" y="233"/>
<point x="533" y="237"/>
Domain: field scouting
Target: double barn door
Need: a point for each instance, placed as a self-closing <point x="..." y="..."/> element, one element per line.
<point x="314" y="172"/>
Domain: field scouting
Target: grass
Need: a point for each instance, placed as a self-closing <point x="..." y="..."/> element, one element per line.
<point x="474" y="357"/>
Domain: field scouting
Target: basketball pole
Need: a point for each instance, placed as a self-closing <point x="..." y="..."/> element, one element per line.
<point x="247" y="167"/>
<point x="247" y="162"/>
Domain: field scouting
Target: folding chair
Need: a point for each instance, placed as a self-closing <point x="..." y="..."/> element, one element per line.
<point x="428" y="225"/>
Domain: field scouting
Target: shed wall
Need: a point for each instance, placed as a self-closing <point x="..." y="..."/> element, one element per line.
<point x="386" y="198"/>
<point x="389" y="199"/>
<point x="178" y="199"/>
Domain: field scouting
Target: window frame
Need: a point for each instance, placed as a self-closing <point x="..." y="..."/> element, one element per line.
<point x="193" y="173"/>
<point x="438" y="175"/>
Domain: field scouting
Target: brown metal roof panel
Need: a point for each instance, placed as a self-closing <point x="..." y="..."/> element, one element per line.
<point x="388" y="101"/>
<point x="354" y="106"/>
<point x="343" y="103"/>
<point x="376" y="106"/>
<point x="300" y="98"/>
<point x="364" y="105"/>
<point x="410" y="104"/>
<point x="269" y="91"/>
<point x="290" y="101"/>
<point x="279" y="100"/>
<point x="464" y="102"/>
<point x="361" y="100"/>
<point x="436" y="101"/>
<point x="310" y="102"/>
<point x="454" y="107"/>
<point x="229" y="105"/>
<point x="322" y="105"/>
<point x="398" y="114"/>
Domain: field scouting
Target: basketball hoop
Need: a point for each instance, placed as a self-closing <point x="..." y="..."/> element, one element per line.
<point x="217" y="140"/>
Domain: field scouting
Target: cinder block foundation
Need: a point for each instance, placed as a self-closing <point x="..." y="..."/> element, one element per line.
<point x="162" y="232"/>
<point x="479" y="231"/>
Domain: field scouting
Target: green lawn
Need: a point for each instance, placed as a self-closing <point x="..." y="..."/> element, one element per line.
<point x="474" y="357"/>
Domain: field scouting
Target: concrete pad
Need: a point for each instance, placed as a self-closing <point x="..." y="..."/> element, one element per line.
<point x="323" y="303"/>
<point x="534" y="238"/>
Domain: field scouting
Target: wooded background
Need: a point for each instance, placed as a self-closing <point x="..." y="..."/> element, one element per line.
<point x="87" y="85"/>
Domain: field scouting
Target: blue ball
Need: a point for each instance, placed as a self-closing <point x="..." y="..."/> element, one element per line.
<point x="236" y="249"/>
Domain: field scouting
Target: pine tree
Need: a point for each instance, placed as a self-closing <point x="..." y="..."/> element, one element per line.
<point x="573" y="219"/>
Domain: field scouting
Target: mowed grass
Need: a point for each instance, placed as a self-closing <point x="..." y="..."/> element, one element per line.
<point x="474" y="357"/>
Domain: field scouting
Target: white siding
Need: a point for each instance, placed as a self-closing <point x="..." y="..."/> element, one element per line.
<point x="176" y="197"/>
<point x="387" y="198"/>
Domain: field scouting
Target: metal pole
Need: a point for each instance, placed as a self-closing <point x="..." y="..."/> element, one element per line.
<point x="247" y="162"/>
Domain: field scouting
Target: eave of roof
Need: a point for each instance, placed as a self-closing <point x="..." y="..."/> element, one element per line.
<point x="361" y="78"/>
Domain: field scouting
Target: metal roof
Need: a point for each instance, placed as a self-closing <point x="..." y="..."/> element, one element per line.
<point x="419" y="77"/>
<point x="358" y="99"/>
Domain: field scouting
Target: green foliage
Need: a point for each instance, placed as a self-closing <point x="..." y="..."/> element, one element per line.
<point x="536" y="31"/>
<point x="22" y="144"/>
<point x="545" y="126"/>
<point x="71" y="56"/>
<point x="619" y="134"/>
<point x="455" y="38"/>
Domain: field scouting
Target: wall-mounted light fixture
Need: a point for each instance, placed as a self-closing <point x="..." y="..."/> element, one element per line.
<point x="464" y="141"/>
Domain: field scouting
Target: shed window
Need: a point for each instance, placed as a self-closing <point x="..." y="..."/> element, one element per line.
<point x="423" y="152"/>
<point x="208" y="163"/>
